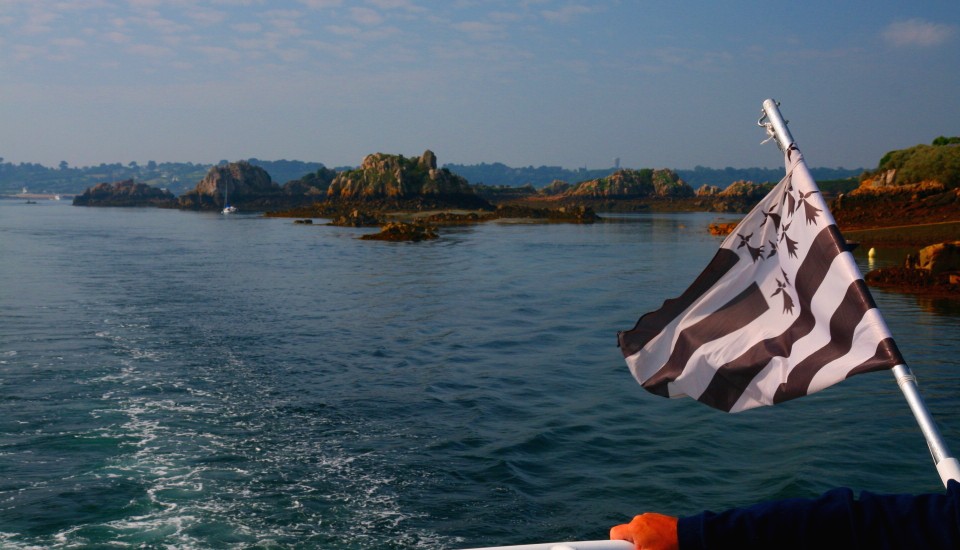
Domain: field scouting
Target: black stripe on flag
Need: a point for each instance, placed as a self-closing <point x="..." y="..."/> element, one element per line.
<point x="648" y="326"/>
<point x="887" y="356"/>
<point x="731" y="379"/>
<point x="856" y="302"/>
<point x="733" y="316"/>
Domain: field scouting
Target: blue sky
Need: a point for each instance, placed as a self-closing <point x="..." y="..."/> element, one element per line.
<point x="535" y="82"/>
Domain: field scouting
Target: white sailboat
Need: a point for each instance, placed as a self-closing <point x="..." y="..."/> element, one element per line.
<point x="227" y="209"/>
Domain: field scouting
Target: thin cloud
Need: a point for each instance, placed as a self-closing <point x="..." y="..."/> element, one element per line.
<point x="566" y="13"/>
<point x="207" y="17"/>
<point x="219" y="54"/>
<point x="39" y="23"/>
<point x="917" y="32"/>
<point x="116" y="37"/>
<point x="69" y="42"/>
<point x="479" y="29"/>
<point x="23" y="52"/>
<point x="397" y="5"/>
<point x="320" y="4"/>
<point x="366" y="16"/>
<point x="149" y="50"/>
<point x="247" y="27"/>
<point x="505" y="16"/>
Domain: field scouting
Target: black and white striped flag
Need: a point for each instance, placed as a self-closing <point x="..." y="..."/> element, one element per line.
<point x="780" y="312"/>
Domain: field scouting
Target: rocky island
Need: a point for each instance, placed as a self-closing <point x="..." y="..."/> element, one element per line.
<point x="911" y="199"/>
<point x="250" y="188"/>
<point x="629" y="190"/>
<point x="124" y="193"/>
<point x="409" y="197"/>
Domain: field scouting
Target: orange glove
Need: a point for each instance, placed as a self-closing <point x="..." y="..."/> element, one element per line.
<point x="649" y="532"/>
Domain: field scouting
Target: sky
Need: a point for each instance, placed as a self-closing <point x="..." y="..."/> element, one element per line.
<point x="571" y="83"/>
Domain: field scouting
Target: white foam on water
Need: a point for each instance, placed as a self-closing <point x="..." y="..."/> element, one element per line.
<point x="217" y="467"/>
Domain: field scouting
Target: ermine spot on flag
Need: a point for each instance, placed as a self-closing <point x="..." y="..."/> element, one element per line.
<point x="780" y="312"/>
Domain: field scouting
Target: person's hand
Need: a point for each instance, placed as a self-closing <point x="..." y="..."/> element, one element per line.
<point x="649" y="532"/>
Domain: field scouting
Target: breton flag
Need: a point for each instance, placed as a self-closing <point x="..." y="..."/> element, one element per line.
<point x="780" y="312"/>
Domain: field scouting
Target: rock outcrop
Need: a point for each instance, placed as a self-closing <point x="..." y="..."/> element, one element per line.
<point x="399" y="180"/>
<point x="706" y="190"/>
<point x="934" y="269"/>
<point x="242" y="184"/>
<point x="633" y="184"/>
<point x="124" y="193"/>
<point x="357" y="218"/>
<point x="937" y="258"/>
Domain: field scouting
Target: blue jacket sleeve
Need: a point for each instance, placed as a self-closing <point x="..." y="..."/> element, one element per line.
<point x="834" y="520"/>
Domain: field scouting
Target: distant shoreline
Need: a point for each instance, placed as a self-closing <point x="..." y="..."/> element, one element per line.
<point x="38" y="196"/>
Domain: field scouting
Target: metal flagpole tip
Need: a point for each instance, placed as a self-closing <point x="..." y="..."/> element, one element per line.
<point x="775" y="125"/>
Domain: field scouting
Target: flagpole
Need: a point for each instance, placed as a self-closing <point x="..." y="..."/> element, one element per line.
<point x="947" y="465"/>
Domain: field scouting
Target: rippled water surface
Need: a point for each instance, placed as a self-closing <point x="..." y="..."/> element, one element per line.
<point x="193" y="380"/>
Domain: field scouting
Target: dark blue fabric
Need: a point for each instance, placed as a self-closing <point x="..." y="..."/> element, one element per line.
<point x="834" y="520"/>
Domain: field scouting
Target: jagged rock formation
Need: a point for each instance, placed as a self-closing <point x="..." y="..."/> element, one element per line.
<point x="394" y="178"/>
<point x="246" y="186"/>
<point x="740" y="196"/>
<point x="746" y="190"/>
<point x="706" y="190"/>
<point x="124" y="193"/>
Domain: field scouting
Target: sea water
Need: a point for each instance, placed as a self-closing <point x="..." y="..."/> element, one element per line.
<point x="193" y="380"/>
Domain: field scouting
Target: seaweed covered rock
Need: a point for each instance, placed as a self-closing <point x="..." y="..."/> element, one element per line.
<point x="401" y="231"/>
<point x="357" y="218"/>
<point x="915" y="280"/>
<point x="722" y="229"/>
<point x="575" y="214"/>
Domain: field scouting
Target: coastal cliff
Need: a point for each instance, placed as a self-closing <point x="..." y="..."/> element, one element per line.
<point x="920" y="184"/>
